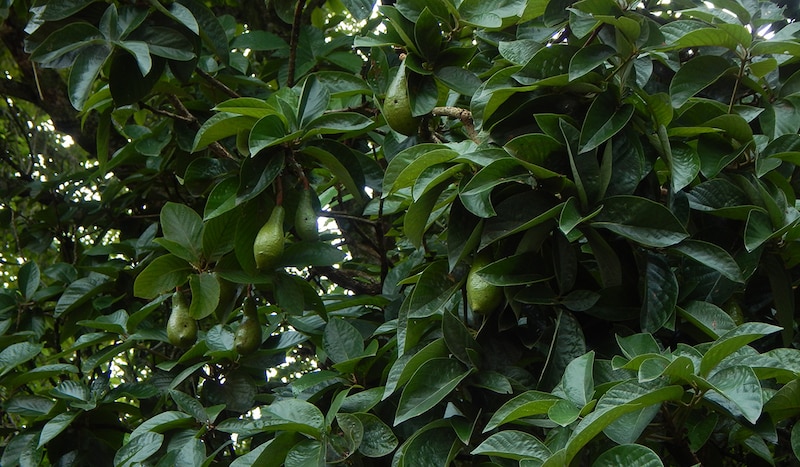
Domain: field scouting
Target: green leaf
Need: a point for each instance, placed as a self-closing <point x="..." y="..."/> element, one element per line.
<point x="695" y="75"/>
<point x="641" y="220"/>
<point x="630" y="426"/>
<point x="712" y="256"/>
<point x="138" y="449"/>
<point x="314" y="100"/>
<point x="709" y="318"/>
<point x="17" y="354"/>
<point x="162" y="422"/>
<point x="162" y="275"/>
<point x="626" y="397"/>
<point x="303" y="254"/>
<point x="660" y="293"/>
<point x="409" y="170"/>
<point x="427" y="35"/>
<point x="407" y="364"/>
<point x="300" y="413"/>
<point x="415" y="221"/>
<point x="69" y="38"/>
<point x="55" y="426"/>
<point x="190" y="405"/>
<point x="476" y="194"/>
<point x="605" y="118"/>
<point x="378" y="439"/>
<point x="740" y="391"/>
<point x="527" y="404"/>
<point x="71" y="391"/>
<point x="458" y="339"/>
<point x="259" y="41"/>
<point x="116" y="322"/>
<point x="588" y="58"/>
<point x="210" y="28"/>
<point x="512" y="444"/>
<point x="431" y="383"/>
<point x="63" y="9"/>
<point x="577" y="383"/>
<point x="563" y="412"/>
<point x="80" y="292"/>
<point x="220" y="126"/>
<point x="434" y="289"/>
<point x="458" y="79"/>
<point x="28" y="279"/>
<point x="360" y="9"/>
<point x="205" y="294"/>
<point x="84" y="72"/>
<point x="182" y="225"/>
<point x="269" y="454"/>
<point x="633" y="455"/>
<point x="732" y="341"/>
<point x="338" y="122"/>
<point x="342" y="341"/>
<point x="257" y="173"/>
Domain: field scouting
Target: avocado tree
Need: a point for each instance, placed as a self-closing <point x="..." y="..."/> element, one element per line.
<point x="417" y="233"/>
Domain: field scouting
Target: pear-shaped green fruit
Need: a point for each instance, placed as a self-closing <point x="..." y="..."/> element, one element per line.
<point x="248" y="335"/>
<point x="482" y="297"/>
<point x="397" y="106"/>
<point x="305" y="217"/>
<point x="181" y="327"/>
<point x="268" y="246"/>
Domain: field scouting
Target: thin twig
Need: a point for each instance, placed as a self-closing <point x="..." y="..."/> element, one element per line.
<point x="341" y="215"/>
<point x="169" y="114"/>
<point x="462" y="114"/>
<point x="215" y="147"/>
<point x="218" y="84"/>
<point x="298" y="12"/>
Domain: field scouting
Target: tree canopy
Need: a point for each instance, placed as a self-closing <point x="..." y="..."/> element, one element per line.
<point x="417" y="233"/>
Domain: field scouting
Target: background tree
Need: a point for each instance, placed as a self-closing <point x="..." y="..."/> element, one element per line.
<point x="469" y="232"/>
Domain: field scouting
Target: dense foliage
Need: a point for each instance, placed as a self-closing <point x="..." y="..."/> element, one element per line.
<point x="579" y="244"/>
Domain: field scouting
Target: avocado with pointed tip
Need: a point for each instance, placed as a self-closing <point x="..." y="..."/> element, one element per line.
<point x="305" y="217"/>
<point x="248" y="335"/>
<point x="268" y="246"/>
<point x="397" y="105"/>
<point x="482" y="297"/>
<point x="181" y="327"/>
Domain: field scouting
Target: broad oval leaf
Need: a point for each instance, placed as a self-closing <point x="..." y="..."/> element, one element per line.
<point x="512" y="444"/>
<point x="641" y="220"/>
<point x="633" y="455"/>
<point x="431" y="383"/>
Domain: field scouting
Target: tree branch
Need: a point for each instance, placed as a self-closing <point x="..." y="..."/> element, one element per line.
<point x="298" y="14"/>
<point x="462" y="114"/>
<point x="217" y="84"/>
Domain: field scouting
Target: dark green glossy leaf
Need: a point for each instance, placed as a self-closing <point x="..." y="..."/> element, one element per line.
<point x="512" y="444"/>
<point x="162" y="275"/>
<point x="605" y="118"/>
<point x="205" y="294"/>
<point x="695" y="75"/>
<point x="84" y="72"/>
<point x="732" y="341"/>
<point x="219" y="126"/>
<point x="641" y="220"/>
<point x="341" y="341"/>
<point x="738" y="390"/>
<point x="431" y="383"/>
<point x="633" y="455"/>
<point x="79" y="292"/>
<point x="17" y="354"/>
<point x="527" y="404"/>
